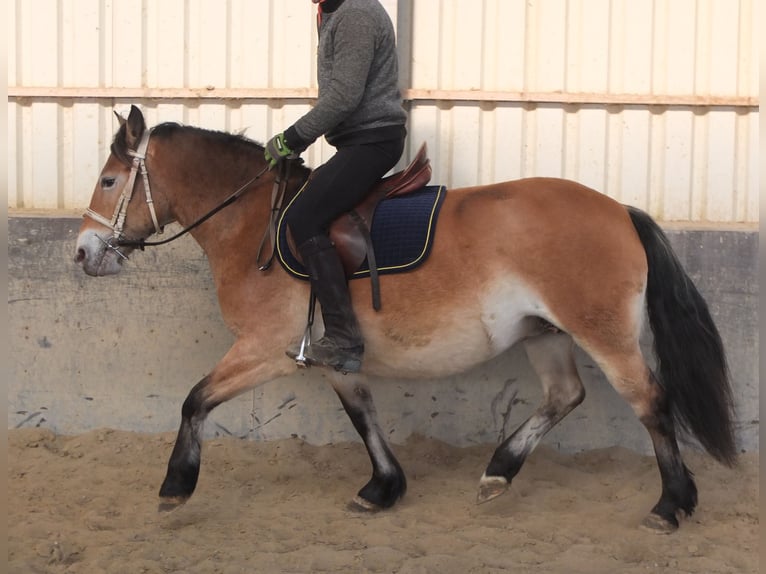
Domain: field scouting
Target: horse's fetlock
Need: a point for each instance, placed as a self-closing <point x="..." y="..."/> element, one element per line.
<point x="685" y="494"/>
<point x="181" y="478"/>
<point x="177" y="489"/>
<point x="505" y="464"/>
<point x="490" y="487"/>
<point x="384" y="490"/>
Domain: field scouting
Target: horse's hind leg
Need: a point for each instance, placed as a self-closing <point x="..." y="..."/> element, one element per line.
<point x="630" y="375"/>
<point x="679" y="493"/>
<point x="552" y="357"/>
<point x="388" y="483"/>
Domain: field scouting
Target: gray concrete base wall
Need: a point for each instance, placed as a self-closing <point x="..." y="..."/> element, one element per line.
<point x="124" y="351"/>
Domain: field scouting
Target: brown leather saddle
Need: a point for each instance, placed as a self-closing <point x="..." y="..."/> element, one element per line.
<point x="351" y="231"/>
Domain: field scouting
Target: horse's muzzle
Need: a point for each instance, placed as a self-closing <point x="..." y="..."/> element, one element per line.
<point x="97" y="256"/>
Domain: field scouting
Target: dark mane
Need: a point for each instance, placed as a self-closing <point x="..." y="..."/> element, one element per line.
<point x="169" y="129"/>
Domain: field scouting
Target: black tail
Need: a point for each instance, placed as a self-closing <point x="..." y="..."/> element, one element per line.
<point x="691" y="361"/>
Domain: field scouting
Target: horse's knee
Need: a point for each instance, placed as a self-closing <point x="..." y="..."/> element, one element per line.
<point x="198" y="404"/>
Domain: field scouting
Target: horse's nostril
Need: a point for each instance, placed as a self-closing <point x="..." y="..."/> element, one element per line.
<point x="80" y="257"/>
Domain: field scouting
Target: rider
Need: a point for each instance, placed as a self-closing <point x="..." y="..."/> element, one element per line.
<point x="359" y="111"/>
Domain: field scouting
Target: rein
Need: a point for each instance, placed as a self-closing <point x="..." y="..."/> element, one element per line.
<point x="117" y="222"/>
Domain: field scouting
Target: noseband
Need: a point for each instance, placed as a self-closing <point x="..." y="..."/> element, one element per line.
<point x="117" y="223"/>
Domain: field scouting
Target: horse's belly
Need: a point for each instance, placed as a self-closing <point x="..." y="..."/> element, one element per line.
<point x="450" y="338"/>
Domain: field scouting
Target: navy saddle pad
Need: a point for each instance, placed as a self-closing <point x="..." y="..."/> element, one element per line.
<point x="402" y="234"/>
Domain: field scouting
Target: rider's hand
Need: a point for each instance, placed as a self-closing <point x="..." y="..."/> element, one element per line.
<point x="277" y="150"/>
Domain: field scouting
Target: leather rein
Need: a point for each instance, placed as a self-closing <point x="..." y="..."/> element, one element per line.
<point x="117" y="222"/>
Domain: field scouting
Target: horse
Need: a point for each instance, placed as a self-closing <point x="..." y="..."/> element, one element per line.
<point x="545" y="262"/>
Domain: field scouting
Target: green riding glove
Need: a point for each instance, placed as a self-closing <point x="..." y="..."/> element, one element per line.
<point x="277" y="150"/>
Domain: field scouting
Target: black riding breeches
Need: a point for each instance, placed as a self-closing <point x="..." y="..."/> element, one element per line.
<point x="339" y="185"/>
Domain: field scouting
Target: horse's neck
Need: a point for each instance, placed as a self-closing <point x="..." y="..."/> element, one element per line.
<point x="198" y="172"/>
<point x="232" y="236"/>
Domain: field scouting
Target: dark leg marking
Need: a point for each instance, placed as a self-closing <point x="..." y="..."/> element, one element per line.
<point x="388" y="483"/>
<point x="509" y="457"/>
<point x="511" y="454"/>
<point x="183" y="466"/>
<point x="679" y="492"/>
<point x="552" y="357"/>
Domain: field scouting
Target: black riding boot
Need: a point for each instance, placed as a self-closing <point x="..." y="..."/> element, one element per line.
<point x="342" y="346"/>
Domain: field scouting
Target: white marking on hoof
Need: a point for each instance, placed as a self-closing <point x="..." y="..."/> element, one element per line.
<point x="491" y="487"/>
<point x="359" y="504"/>
<point x="657" y="525"/>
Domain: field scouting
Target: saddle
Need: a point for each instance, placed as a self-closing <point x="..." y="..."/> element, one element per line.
<point x="351" y="231"/>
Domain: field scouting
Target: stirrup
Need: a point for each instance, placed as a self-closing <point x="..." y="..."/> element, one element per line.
<point x="300" y="359"/>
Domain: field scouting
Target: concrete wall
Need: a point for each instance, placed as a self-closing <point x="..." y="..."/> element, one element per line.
<point x="124" y="351"/>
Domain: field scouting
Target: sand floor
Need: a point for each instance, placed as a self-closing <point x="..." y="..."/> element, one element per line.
<point x="88" y="503"/>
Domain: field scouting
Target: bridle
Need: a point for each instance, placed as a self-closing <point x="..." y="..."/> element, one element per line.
<point x="117" y="222"/>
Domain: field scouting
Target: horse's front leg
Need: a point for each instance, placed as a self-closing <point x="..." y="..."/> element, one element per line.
<point x="243" y="368"/>
<point x="183" y="467"/>
<point x="388" y="483"/>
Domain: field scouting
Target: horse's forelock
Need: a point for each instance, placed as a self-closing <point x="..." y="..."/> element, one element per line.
<point x="119" y="147"/>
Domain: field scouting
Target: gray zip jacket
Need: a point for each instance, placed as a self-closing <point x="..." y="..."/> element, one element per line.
<point x="358" y="73"/>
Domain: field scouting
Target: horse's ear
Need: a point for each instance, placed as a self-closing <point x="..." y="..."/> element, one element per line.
<point x="135" y="127"/>
<point x="119" y="118"/>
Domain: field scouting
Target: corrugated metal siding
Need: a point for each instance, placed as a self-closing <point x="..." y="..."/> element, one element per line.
<point x="652" y="102"/>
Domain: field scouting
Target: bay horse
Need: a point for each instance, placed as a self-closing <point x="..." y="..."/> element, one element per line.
<point x="547" y="262"/>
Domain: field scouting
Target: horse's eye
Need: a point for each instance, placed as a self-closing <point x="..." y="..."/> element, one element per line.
<point x="107" y="182"/>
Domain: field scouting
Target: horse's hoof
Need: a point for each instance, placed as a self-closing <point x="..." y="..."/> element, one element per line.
<point x="359" y="504"/>
<point x="656" y="524"/>
<point x="171" y="503"/>
<point x="490" y="487"/>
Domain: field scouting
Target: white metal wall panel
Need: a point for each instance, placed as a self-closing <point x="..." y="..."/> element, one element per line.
<point x="650" y="48"/>
<point x="652" y="102"/>
<point x="679" y="165"/>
